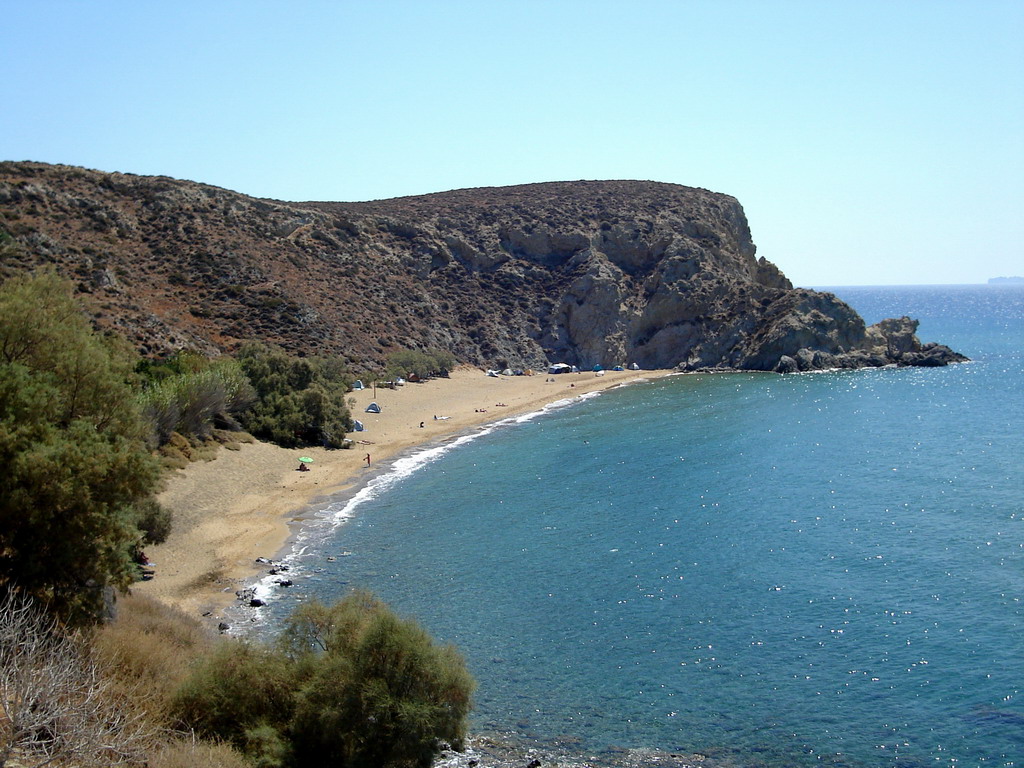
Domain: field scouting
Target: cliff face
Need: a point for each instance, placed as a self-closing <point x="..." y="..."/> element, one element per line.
<point x="580" y="272"/>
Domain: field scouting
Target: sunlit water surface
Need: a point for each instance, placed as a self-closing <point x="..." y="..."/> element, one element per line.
<point x="794" y="570"/>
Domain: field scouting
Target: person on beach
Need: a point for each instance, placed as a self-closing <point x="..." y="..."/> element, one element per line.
<point x="367" y="459"/>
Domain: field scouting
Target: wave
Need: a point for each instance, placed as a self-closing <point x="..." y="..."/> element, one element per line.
<point x="315" y="530"/>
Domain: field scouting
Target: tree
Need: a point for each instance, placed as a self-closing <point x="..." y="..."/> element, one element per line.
<point x="242" y="693"/>
<point x="349" y="686"/>
<point x="75" y="468"/>
<point x="196" y="398"/>
<point x="300" y="401"/>
<point x="408" y="362"/>
<point x="378" y="692"/>
<point x="56" y="704"/>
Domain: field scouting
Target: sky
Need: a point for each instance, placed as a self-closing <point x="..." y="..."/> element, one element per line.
<point x="870" y="142"/>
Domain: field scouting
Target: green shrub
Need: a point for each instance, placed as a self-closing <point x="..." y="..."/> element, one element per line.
<point x="153" y="521"/>
<point x="74" y="463"/>
<point x="266" y="747"/>
<point x="348" y="686"/>
<point x="378" y="691"/>
<point x="412" y="362"/>
<point x="301" y="401"/>
<point x="237" y="691"/>
<point x="195" y="398"/>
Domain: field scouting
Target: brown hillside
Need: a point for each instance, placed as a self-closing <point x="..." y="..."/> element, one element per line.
<point x="588" y="272"/>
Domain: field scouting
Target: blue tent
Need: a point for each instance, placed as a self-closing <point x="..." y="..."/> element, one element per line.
<point x="373" y="408"/>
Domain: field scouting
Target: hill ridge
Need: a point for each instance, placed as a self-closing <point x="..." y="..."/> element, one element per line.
<point x="586" y="272"/>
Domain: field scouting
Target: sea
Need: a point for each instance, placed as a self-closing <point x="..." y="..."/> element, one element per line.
<point x="778" y="570"/>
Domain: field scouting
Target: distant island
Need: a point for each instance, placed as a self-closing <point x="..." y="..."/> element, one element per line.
<point x="1018" y="280"/>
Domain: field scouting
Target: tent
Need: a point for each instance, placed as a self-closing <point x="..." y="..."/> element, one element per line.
<point x="373" y="408"/>
<point x="358" y="385"/>
<point x="634" y="367"/>
<point x="598" y="368"/>
<point x="618" y="368"/>
<point x="358" y="425"/>
<point x="560" y="368"/>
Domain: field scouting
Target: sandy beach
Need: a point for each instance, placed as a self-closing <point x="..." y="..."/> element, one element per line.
<point x="241" y="506"/>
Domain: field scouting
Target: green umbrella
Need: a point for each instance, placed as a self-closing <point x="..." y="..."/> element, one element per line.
<point x="305" y="459"/>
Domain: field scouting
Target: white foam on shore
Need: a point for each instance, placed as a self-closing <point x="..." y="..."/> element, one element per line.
<point x="313" y="533"/>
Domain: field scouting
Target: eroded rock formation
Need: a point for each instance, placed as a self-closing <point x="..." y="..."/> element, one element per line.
<point x="587" y="273"/>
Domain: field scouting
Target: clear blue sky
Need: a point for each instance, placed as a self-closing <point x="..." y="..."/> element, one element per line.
<point x="870" y="142"/>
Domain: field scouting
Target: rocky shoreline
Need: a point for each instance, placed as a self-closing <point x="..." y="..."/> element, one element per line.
<point x="515" y="751"/>
<point x="585" y="273"/>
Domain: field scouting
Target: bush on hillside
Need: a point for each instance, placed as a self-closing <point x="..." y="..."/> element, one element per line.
<point x="407" y="363"/>
<point x="151" y="647"/>
<point x="153" y="521"/>
<point x="146" y="654"/>
<point x="186" y="753"/>
<point x="300" y="401"/>
<point x="241" y="693"/>
<point x="381" y="693"/>
<point x="194" y="396"/>
<point x="58" y="707"/>
<point x="349" y="686"/>
<point x="76" y="469"/>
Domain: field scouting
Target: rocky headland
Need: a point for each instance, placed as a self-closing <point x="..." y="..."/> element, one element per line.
<point x="587" y="273"/>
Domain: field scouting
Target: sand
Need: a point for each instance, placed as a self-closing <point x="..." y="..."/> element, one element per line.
<point x="244" y="504"/>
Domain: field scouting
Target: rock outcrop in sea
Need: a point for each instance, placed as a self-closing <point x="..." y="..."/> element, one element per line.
<point x="587" y="273"/>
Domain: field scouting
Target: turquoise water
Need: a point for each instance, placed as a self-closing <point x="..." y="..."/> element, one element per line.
<point x="791" y="570"/>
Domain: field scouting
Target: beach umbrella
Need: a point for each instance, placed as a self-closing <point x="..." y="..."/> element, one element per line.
<point x="305" y="459"/>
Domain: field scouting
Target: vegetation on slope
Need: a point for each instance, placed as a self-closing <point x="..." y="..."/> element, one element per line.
<point x="192" y="395"/>
<point x="417" y="364"/>
<point x="81" y="419"/>
<point x="77" y="475"/>
<point x="298" y="401"/>
<point x="347" y="686"/>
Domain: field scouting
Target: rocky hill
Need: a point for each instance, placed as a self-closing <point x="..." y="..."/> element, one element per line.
<point x="587" y="272"/>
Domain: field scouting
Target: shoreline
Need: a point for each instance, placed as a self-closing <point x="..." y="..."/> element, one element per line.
<point x="324" y="515"/>
<point x="252" y="503"/>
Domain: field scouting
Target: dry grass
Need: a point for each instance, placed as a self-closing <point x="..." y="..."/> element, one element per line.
<point x="227" y="436"/>
<point x="185" y="753"/>
<point x="172" y="458"/>
<point x="148" y="651"/>
<point x="151" y="648"/>
<point x="179" y="451"/>
<point x="203" y="581"/>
